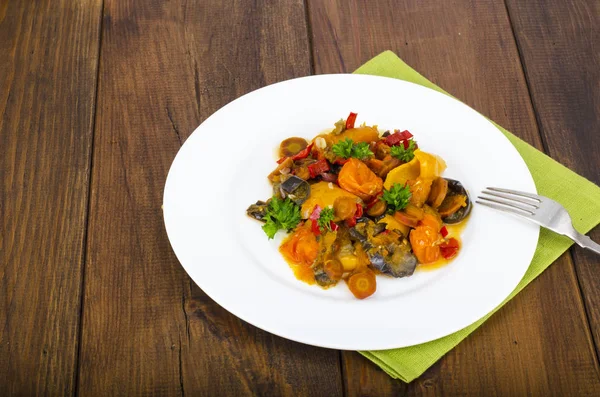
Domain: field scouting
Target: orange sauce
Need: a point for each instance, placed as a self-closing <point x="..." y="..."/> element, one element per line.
<point x="453" y="231"/>
<point x="303" y="273"/>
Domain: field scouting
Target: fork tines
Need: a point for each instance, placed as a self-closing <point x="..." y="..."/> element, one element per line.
<point x="514" y="201"/>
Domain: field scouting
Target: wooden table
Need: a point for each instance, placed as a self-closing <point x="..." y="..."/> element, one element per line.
<point x="96" y="98"/>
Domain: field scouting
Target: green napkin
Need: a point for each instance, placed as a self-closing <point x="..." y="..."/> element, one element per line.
<point x="580" y="196"/>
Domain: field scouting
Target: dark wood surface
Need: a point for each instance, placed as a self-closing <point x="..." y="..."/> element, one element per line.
<point x="564" y="76"/>
<point x="97" y="96"/>
<point x="48" y="63"/>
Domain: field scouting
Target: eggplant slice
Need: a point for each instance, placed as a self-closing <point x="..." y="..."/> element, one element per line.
<point x="297" y="189"/>
<point x="258" y="210"/>
<point x="456" y="193"/>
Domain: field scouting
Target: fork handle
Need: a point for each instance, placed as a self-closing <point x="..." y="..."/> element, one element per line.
<point x="586" y="242"/>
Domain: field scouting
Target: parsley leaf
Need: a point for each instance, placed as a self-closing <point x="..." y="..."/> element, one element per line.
<point x="343" y="148"/>
<point x="347" y="148"/>
<point x="280" y="214"/>
<point x="361" y="151"/>
<point x="325" y="219"/>
<point x="404" y="154"/>
<point x="397" y="197"/>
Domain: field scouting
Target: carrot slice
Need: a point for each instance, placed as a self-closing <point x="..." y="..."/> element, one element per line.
<point x="362" y="284"/>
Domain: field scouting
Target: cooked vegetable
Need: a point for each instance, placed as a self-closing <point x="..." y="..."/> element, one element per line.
<point x="437" y="194"/>
<point x="347" y="148"/>
<point x="350" y="120"/>
<point x="419" y="190"/>
<point x="292" y="146"/>
<point x="449" y="248"/>
<point x="397" y="137"/>
<point x="258" y="210"/>
<point x="406" y="219"/>
<point x="391" y="223"/>
<point x="457" y="205"/>
<point x="344" y="207"/>
<point x="414" y="211"/>
<point x="301" y="247"/>
<point x="297" y="189"/>
<point x="402" y="174"/>
<point x="356" y="224"/>
<point x="283" y="168"/>
<point x="333" y="268"/>
<point x="432" y="220"/>
<point x="362" y="284"/>
<point x="322" y="278"/>
<point x="280" y="215"/>
<point x="329" y="177"/>
<point x="444" y="231"/>
<point x="340" y="126"/>
<point x="404" y="152"/>
<point x="298" y="156"/>
<point x="377" y="209"/>
<point x="325" y="219"/>
<point x="356" y="178"/>
<point x="318" y="168"/>
<point x="397" y="263"/>
<point x="431" y="166"/>
<point x="360" y="134"/>
<point x="424" y="242"/>
<point x="397" y="197"/>
<point x="324" y="195"/>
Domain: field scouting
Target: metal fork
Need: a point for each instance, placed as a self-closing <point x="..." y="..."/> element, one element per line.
<point x="539" y="209"/>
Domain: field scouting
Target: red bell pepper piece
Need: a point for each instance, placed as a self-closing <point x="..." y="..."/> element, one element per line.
<point x="318" y="168"/>
<point x="350" y="120"/>
<point x="359" y="211"/>
<point x="314" y="218"/>
<point x="450" y="248"/>
<point x="333" y="226"/>
<point x="303" y="153"/>
<point x="397" y="137"/>
<point x="374" y="200"/>
<point x="351" y="222"/>
<point x="300" y="155"/>
<point x="444" y="231"/>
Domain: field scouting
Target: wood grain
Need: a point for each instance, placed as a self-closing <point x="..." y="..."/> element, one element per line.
<point x="560" y="47"/>
<point x="539" y="344"/>
<point x="48" y="61"/>
<point x="166" y="66"/>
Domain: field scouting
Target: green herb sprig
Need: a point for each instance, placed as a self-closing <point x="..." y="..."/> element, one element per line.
<point x="347" y="148"/>
<point x="397" y="197"/>
<point x="281" y="215"/>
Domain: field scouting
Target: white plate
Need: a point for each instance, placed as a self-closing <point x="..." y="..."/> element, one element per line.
<point x="222" y="168"/>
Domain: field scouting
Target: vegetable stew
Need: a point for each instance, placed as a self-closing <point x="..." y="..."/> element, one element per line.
<point x="358" y="205"/>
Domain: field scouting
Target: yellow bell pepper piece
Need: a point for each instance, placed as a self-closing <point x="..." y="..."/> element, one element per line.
<point x="431" y="165"/>
<point x="403" y="173"/>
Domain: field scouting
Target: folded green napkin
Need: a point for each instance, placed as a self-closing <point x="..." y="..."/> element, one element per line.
<point x="580" y="196"/>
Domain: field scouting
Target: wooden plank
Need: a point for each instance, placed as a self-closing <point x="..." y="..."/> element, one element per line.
<point x="559" y="47"/>
<point x="539" y="343"/>
<point x="146" y="329"/>
<point x="48" y="66"/>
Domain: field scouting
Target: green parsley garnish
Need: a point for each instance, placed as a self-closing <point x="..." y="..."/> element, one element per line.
<point x="281" y="214"/>
<point x="403" y="154"/>
<point x="397" y="197"/>
<point x="361" y="150"/>
<point x="347" y="148"/>
<point x="325" y="219"/>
